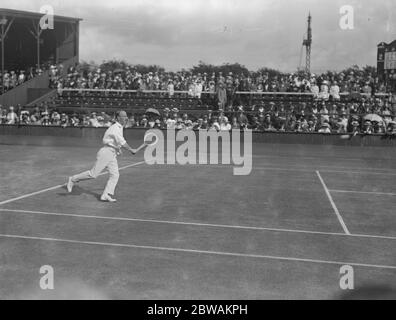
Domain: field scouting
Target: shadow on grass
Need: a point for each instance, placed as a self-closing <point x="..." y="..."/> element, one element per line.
<point x="78" y="191"/>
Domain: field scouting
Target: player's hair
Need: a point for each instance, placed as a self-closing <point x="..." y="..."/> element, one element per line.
<point x="117" y="114"/>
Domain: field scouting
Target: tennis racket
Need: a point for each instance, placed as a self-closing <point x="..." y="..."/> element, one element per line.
<point x="150" y="139"/>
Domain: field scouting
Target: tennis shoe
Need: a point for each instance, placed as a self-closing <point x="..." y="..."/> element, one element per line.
<point x="70" y="185"/>
<point x="107" y="198"/>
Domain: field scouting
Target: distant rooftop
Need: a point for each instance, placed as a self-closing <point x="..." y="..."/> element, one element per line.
<point x="33" y="15"/>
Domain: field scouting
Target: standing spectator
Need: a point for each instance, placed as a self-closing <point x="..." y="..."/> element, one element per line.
<point x="335" y="91"/>
<point x="13" y="80"/>
<point x="171" y="88"/>
<point x="12" y="117"/>
<point x="198" y="89"/>
<point x="315" y="90"/>
<point x="221" y="96"/>
<point x="21" y="77"/>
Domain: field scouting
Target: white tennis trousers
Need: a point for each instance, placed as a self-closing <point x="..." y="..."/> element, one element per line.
<point x="106" y="158"/>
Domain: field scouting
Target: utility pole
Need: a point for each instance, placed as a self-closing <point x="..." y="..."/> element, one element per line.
<point x="2" y="55"/>
<point x="308" y="43"/>
<point x="3" y="23"/>
<point x="36" y="32"/>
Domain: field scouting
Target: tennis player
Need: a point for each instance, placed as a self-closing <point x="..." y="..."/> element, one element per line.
<point x="106" y="158"/>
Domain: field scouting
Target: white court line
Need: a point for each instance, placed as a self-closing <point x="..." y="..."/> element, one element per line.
<point x="289" y="168"/>
<point x="351" y="168"/>
<point x="197" y="224"/>
<point x="240" y="255"/>
<point x="393" y="170"/>
<point x="313" y="168"/>
<point x="333" y="205"/>
<point x="59" y="186"/>
<point x="364" y="192"/>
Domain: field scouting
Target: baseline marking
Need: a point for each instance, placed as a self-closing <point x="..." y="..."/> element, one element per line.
<point x="197" y="224"/>
<point x="293" y="169"/>
<point x="365" y="192"/>
<point x="333" y="205"/>
<point x="60" y="186"/>
<point x="243" y="255"/>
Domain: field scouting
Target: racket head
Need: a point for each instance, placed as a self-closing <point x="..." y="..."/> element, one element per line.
<point x="150" y="139"/>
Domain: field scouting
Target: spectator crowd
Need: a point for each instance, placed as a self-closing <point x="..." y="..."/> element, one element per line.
<point x="13" y="78"/>
<point x="323" y="86"/>
<point x="223" y="92"/>
<point x="371" y="115"/>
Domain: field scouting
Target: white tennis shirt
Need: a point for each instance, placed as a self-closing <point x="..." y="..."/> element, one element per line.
<point x="114" y="136"/>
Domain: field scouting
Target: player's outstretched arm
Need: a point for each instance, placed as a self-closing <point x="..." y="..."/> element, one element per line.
<point x="127" y="147"/>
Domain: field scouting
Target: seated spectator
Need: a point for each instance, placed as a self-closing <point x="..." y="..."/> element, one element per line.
<point x="188" y="124"/>
<point x="74" y="121"/>
<point x="144" y="123"/>
<point x="179" y="124"/>
<point x="355" y="125"/>
<point x="391" y="128"/>
<point x="93" y="121"/>
<point x="198" y="124"/>
<point x="342" y="124"/>
<point x="131" y="122"/>
<point x="45" y="119"/>
<point x="55" y="119"/>
<point x="24" y="118"/>
<point x="235" y="124"/>
<point x="64" y="120"/>
<point x="242" y="119"/>
<point x="378" y="127"/>
<point x="255" y="124"/>
<point x="324" y="114"/>
<point x="367" y="88"/>
<point x="315" y="90"/>
<point x="335" y="91"/>
<point x="86" y="122"/>
<point x="311" y="126"/>
<point x="214" y="125"/>
<point x="386" y="115"/>
<point x="324" y="128"/>
<point x="224" y="124"/>
<point x="171" y="122"/>
<point x="267" y="123"/>
<point x="324" y="91"/>
<point x="367" y="127"/>
<point x="151" y="122"/>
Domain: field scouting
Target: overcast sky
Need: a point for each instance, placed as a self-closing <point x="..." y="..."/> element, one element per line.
<point x="179" y="33"/>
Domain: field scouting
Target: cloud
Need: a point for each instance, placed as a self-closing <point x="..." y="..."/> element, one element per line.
<point x="256" y="33"/>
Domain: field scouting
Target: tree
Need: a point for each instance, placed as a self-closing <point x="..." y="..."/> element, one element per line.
<point x="225" y="69"/>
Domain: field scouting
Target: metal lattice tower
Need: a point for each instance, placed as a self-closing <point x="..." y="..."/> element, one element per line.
<point x="308" y="43"/>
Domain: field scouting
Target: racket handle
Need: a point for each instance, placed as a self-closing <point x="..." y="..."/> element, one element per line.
<point x="141" y="147"/>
